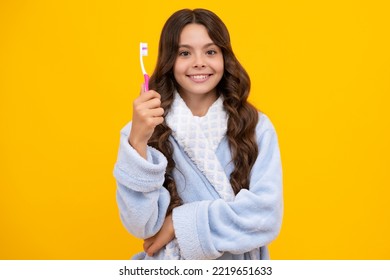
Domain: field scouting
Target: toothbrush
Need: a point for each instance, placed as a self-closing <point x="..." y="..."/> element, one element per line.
<point x="143" y="50"/>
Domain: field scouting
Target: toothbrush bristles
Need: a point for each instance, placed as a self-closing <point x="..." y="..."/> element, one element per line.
<point x="144" y="49"/>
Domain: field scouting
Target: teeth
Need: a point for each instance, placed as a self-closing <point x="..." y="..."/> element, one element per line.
<point x="199" y="77"/>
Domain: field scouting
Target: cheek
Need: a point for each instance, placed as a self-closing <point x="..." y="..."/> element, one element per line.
<point x="220" y="66"/>
<point x="177" y="68"/>
<point x="219" y="63"/>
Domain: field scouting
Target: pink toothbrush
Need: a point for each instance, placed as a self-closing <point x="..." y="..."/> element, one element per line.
<point x="144" y="52"/>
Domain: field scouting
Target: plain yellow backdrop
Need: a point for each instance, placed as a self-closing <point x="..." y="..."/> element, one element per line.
<point x="69" y="71"/>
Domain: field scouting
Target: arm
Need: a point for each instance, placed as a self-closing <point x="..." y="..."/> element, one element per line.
<point x="141" y="198"/>
<point x="140" y="169"/>
<point x="207" y="229"/>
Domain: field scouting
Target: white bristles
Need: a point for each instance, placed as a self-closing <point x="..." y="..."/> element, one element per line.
<point x="143" y="51"/>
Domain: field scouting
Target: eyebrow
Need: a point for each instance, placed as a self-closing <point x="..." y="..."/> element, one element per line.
<point x="190" y="47"/>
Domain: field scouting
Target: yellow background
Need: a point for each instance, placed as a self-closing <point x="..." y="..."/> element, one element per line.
<point x="69" y="71"/>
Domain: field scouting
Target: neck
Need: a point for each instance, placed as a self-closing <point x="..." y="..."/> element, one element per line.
<point x="199" y="104"/>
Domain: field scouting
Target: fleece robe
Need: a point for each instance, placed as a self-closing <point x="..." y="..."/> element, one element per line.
<point x="206" y="226"/>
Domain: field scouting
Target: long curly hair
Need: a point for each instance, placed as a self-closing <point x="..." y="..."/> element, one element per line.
<point x="234" y="87"/>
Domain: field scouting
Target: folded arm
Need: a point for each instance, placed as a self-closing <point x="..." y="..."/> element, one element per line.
<point x="141" y="198"/>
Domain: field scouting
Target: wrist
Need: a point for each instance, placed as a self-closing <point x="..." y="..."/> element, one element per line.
<point x="139" y="146"/>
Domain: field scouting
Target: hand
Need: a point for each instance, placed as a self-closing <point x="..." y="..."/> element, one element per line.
<point x="162" y="238"/>
<point x="147" y="114"/>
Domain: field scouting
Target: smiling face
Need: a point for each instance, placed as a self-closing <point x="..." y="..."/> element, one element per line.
<point x="199" y="65"/>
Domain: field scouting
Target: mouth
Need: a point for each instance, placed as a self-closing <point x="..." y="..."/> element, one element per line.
<point x="199" y="78"/>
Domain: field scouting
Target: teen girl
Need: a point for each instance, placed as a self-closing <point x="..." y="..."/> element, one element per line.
<point x="198" y="171"/>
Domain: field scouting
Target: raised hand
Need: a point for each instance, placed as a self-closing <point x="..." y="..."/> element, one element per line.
<point x="147" y="114"/>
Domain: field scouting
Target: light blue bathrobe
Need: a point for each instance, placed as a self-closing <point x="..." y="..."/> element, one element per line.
<point x="206" y="226"/>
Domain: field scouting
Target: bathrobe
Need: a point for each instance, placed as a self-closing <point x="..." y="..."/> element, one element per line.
<point x="206" y="225"/>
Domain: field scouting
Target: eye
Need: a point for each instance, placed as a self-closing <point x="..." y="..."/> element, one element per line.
<point x="184" y="53"/>
<point x="211" y="52"/>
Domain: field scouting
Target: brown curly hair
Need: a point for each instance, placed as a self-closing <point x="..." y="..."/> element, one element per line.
<point x="234" y="87"/>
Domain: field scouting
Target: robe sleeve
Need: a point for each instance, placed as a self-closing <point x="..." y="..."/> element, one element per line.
<point x="207" y="229"/>
<point x="141" y="198"/>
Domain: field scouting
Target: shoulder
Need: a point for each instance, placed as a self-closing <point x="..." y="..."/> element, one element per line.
<point x="264" y="125"/>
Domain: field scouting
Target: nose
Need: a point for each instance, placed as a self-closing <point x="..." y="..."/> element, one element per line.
<point x="199" y="62"/>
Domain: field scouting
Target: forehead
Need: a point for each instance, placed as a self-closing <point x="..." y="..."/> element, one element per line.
<point x="194" y="34"/>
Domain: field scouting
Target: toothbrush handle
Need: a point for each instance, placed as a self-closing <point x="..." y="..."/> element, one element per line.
<point x="146" y="84"/>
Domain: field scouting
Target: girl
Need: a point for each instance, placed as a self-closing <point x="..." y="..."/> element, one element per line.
<point x="198" y="170"/>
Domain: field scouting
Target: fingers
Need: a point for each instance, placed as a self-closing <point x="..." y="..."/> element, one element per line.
<point x="151" y="114"/>
<point x="147" y="243"/>
<point x="148" y="246"/>
<point x="163" y="237"/>
<point x="148" y="105"/>
<point x="153" y="245"/>
<point x="148" y="100"/>
<point x="152" y="103"/>
<point x="149" y="95"/>
<point x="142" y="91"/>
